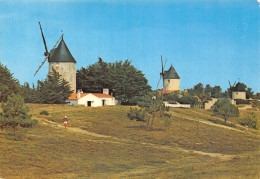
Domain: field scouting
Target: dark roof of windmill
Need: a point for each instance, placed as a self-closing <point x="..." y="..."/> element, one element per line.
<point x="240" y="87"/>
<point x="171" y="74"/>
<point x="61" y="53"/>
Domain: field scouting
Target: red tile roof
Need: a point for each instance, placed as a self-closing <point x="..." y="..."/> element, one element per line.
<point x="73" y="96"/>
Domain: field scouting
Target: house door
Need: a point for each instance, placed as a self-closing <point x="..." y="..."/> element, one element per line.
<point x="103" y="102"/>
<point x="89" y="103"/>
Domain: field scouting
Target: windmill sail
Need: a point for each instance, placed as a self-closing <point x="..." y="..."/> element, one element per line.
<point x="162" y="73"/>
<point x="48" y="55"/>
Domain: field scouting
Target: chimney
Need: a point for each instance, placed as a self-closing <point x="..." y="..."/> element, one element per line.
<point x="78" y="93"/>
<point x="105" y="91"/>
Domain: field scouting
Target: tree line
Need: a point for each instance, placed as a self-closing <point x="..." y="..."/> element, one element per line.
<point x="122" y="79"/>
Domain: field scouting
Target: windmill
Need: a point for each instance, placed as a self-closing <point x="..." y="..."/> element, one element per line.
<point x="46" y="53"/>
<point x="162" y="73"/>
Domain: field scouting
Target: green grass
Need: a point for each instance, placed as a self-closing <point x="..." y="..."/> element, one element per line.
<point x="50" y="152"/>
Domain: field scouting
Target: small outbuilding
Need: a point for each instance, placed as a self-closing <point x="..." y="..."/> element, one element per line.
<point x="91" y="99"/>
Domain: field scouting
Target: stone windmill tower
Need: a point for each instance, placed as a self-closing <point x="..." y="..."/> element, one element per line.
<point x="171" y="79"/>
<point x="61" y="60"/>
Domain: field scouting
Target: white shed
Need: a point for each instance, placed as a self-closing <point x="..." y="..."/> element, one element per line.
<point x="91" y="99"/>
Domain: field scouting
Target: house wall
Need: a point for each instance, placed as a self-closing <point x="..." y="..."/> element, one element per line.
<point x="72" y="102"/>
<point x="95" y="101"/>
<point x="238" y="95"/>
<point x="209" y="104"/>
<point x="171" y="84"/>
<point x="67" y="70"/>
<point x="109" y="101"/>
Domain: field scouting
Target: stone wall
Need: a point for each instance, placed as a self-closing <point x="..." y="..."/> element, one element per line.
<point x="171" y="84"/>
<point x="67" y="70"/>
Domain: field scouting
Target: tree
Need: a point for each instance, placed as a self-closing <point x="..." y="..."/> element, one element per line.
<point x="15" y="114"/>
<point x="121" y="78"/>
<point x="197" y="89"/>
<point x="54" y="90"/>
<point x="151" y="107"/>
<point x="208" y="90"/>
<point x="30" y="95"/>
<point x="225" y="109"/>
<point x="216" y="92"/>
<point x="8" y="84"/>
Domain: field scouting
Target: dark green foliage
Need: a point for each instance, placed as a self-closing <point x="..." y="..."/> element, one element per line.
<point x="54" y="90"/>
<point x="139" y="115"/>
<point x="151" y="107"/>
<point x="241" y="101"/>
<point x="15" y="114"/>
<point x="180" y="97"/>
<point x="196" y="90"/>
<point x="216" y="121"/>
<point x="44" y="113"/>
<point x="206" y="93"/>
<point x="8" y="84"/>
<point x="250" y="121"/>
<point x="224" y="108"/>
<point x="249" y="93"/>
<point x="256" y="103"/>
<point x="30" y="95"/>
<point x="121" y="78"/>
<point x="216" y="92"/>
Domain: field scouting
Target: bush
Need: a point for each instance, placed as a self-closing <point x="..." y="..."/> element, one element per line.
<point x="225" y="109"/>
<point x="241" y="101"/>
<point x="250" y="121"/>
<point x="256" y="103"/>
<point x="14" y="137"/>
<point x="136" y="114"/>
<point x="15" y="114"/>
<point x="44" y="113"/>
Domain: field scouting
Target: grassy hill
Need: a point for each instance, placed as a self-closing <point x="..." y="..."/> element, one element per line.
<point x="103" y="143"/>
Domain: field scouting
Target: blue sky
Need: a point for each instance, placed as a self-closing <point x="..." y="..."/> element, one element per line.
<point x="207" y="41"/>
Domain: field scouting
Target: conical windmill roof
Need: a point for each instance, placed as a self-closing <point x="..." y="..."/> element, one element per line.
<point x="61" y="53"/>
<point x="171" y="74"/>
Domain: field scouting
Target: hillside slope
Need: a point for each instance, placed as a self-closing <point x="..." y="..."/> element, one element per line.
<point x="103" y="142"/>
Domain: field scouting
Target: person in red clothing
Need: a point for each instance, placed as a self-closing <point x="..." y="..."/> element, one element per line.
<point x="65" y="121"/>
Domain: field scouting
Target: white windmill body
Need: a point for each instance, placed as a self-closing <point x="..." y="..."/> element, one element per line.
<point x="171" y="80"/>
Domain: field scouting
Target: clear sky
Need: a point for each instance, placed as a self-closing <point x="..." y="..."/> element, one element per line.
<point x="207" y="41"/>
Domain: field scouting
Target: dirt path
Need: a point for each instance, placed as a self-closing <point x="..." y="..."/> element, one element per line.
<point x="207" y="122"/>
<point x="115" y="140"/>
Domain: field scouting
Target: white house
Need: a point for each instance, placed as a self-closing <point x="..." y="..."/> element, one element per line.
<point x="91" y="99"/>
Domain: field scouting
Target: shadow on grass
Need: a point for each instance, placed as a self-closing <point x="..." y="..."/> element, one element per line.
<point x="143" y="127"/>
<point x="216" y="121"/>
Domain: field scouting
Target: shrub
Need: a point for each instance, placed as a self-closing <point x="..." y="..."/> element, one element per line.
<point x="14" y="137"/>
<point x="44" y="113"/>
<point x="15" y="114"/>
<point x="256" y="103"/>
<point x="225" y="109"/>
<point x="241" y="101"/>
<point x="136" y="114"/>
<point x="250" y="121"/>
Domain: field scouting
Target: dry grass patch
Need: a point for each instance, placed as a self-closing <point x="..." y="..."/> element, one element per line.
<point x="47" y="151"/>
